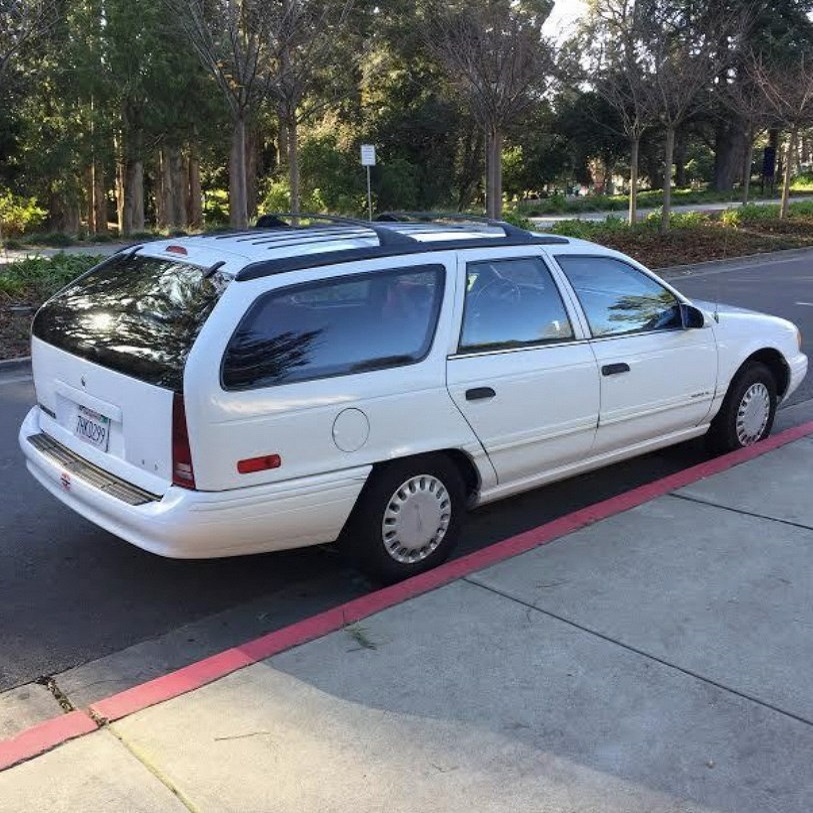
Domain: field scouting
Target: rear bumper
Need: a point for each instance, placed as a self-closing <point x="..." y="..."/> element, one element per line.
<point x="187" y="524"/>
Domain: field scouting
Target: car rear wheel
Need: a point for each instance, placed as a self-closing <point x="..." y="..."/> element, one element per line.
<point x="748" y="411"/>
<point x="407" y="519"/>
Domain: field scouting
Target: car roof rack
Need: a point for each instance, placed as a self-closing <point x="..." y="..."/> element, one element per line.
<point x="386" y="236"/>
<point x="509" y="229"/>
<point x="392" y="242"/>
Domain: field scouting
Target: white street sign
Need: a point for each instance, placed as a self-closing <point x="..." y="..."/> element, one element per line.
<point x="367" y="155"/>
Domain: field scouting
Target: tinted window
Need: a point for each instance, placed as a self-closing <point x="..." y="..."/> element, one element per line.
<point x="618" y="298"/>
<point x="336" y="327"/>
<point x="512" y="303"/>
<point x="137" y="315"/>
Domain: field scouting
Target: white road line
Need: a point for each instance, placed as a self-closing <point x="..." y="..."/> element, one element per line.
<point x="15" y="379"/>
<point x="809" y="304"/>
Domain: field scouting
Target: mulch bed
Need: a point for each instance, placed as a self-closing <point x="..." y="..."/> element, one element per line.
<point x="686" y="246"/>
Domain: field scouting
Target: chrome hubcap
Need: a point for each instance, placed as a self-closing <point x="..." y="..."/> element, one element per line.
<point x="753" y="414"/>
<point x="416" y="519"/>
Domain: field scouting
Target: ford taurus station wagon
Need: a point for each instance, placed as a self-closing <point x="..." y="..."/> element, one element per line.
<point x="291" y="385"/>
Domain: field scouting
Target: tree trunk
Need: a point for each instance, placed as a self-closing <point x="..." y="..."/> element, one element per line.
<point x="119" y="184"/>
<point x="493" y="173"/>
<point x="728" y="152"/>
<point x="669" y="150"/>
<point x="195" y="204"/>
<point x="252" y="171"/>
<point x="163" y="204"/>
<point x="99" y="199"/>
<point x="635" y="145"/>
<point x="90" y="212"/>
<point x="133" y="197"/>
<point x="293" y="163"/>
<point x="746" y="166"/>
<point x="783" y="209"/>
<point x="238" y="203"/>
<point x="178" y="188"/>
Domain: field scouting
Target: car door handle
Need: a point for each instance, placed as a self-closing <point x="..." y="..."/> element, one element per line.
<point x="478" y="393"/>
<point x="615" y="369"/>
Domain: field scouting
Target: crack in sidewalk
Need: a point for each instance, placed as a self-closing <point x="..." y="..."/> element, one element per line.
<point x="642" y="653"/>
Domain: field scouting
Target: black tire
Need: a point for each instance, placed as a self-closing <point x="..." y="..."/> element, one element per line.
<point x="723" y="435"/>
<point x="400" y="483"/>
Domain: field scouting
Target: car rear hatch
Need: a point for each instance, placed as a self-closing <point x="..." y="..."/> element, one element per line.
<point x="108" y="355"/>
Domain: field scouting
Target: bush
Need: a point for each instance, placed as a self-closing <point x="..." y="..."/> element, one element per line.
<point x="516" y="219"/>
<point x="37" y="278"/>
<point x="19" y="215"/>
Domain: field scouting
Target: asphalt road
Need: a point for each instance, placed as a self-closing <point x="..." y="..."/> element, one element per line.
<point x="71" y="593"/>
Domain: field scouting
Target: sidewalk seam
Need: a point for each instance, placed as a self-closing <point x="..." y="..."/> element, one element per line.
<point x="744" y="512"/>
<point x="640" y="652"/>
<point x="153" y="769"/>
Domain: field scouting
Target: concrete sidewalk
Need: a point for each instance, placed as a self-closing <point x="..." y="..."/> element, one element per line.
<point x="657" y="660"/>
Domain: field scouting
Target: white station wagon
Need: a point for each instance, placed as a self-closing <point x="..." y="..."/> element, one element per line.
<point x="369" y="382"/>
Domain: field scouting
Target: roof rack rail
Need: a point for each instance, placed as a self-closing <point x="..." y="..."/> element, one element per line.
<point x="386" y="236"/>
<point x="508" y="229"/>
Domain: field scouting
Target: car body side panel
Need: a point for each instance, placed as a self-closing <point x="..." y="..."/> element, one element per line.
<point x="407" y="409"/>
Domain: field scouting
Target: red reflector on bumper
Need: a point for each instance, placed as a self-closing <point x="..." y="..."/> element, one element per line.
<point x="252" y="464"/>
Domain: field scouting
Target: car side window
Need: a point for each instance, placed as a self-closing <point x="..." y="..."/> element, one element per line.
<point x="512" y="303"/>
<point x="337" y="326"/>
<point x="617" y="298"/>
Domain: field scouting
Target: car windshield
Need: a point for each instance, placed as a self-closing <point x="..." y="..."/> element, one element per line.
<point x="134" y="314"/>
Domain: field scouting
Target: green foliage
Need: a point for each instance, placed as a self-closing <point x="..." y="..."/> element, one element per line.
<point x="516" y="219"/>
<point x="802" y="182"/>
<point x="216" y="209"/>
<point x="37" y="278"/>
<point x="19" y="215"/>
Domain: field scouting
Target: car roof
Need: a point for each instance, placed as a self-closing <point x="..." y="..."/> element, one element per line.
<point x="263" y="251"/>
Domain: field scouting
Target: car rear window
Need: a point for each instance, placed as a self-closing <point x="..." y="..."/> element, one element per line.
<point x="336" y="327"/>
<point x="137" y="315"/>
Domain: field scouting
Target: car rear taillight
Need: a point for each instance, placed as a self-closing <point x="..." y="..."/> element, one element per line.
<point x="183" y="474"/>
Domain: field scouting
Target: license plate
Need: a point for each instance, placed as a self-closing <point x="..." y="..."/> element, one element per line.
<point x="93" y="428"/>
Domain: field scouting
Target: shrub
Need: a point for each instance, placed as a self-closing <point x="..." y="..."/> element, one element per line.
<point x="37" y="278"/>
<point x="19" y="215"/>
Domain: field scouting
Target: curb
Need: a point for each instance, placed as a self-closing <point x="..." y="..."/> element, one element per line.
<point x="748" y="259"/>
<point x="47" y="735"/>
<point x="12" y="365"/>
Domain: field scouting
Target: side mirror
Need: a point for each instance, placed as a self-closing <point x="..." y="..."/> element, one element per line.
<point x="691" y="316"/>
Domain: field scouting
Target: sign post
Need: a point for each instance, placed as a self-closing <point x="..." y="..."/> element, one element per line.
<point x="368" y="160"/>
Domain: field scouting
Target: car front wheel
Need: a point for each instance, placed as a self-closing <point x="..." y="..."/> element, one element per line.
<point x="748" y="411"/>
<point x="408" y="518"/>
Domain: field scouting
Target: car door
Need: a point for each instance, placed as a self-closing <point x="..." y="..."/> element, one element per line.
<point x="657" y="378"/>
<point x="522" y="374"/>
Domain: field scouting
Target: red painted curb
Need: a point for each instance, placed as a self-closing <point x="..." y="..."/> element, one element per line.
<point x="43" y="737"/>
<point x="198" y="674"/>
<point x="46" y="735"/>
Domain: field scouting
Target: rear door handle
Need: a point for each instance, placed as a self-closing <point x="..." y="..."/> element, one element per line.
<point x="615" y="369"/>
<point x="478" y="393"/>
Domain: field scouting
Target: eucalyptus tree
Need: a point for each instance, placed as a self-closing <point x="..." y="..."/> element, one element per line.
<point x="233" y="41"/>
